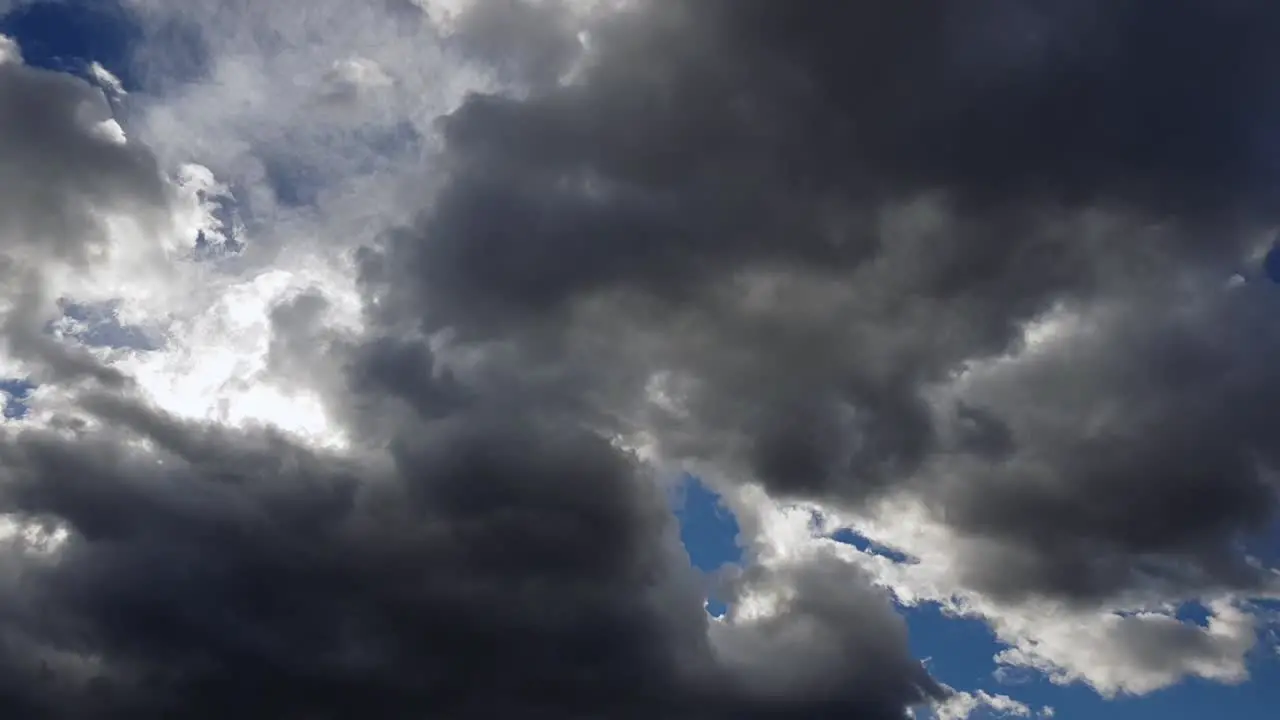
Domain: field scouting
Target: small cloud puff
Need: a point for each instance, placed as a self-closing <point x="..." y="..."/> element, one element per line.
<point x="348" y="79"/>
<point x="9" y="51"/>
<point x="107" y="80"/>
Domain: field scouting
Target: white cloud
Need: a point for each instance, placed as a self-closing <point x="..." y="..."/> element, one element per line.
<point x="355" y="74"/>
<point x="9" y="50"/>
<point x="1134" y="653"/>
<point x="219" y="137"/>
<point x="1126" y="648"/>
<point x="964" y="705"/>
<point x="106" y="79"/>
<point x="1133" y="645"/>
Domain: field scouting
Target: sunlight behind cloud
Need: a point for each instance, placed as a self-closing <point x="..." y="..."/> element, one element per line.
<point x="214" y="367"/>
<point x="29" y="536"/>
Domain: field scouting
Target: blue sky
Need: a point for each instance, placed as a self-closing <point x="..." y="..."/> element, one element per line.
<point x="960" y="651"/>
<point x="15" y="391"/>
<point x="67" y="37"/>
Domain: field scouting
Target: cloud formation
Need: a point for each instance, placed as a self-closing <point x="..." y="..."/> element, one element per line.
<point x="445" y="293"/>
<point x="823" y="258"/>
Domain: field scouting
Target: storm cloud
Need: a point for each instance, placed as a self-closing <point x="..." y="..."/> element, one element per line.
<point x="974" y="255"/>
<point x="814" y="220"/>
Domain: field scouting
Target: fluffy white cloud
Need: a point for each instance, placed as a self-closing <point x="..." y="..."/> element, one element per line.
<point x="963" y="705"/>
<point x="9" y="50"/>
<point x="106" y="79"/>
<point x="1129" y="647"/>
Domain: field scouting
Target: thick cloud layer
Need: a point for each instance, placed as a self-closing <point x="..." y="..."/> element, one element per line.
<point x="229" y="575"/>
<point x="60" y="164"/>
<point x="814" y="219"/>
<point x="976" y="256"/>
<point x="67" y="173"/>
<point x="217" y="573"/>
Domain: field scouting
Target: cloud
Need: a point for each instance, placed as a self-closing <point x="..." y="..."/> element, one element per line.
<point x="823" y="264"/>
<point x="168" y="559"/>
<point x="1134" y="644"/>
<point x="61" y="174"/>
<point x="79" y="199"/>
<point x="203" y="592"/>
<point x="816" y="630"/>
<point x="438" y="299"/>
<point x="107" y="79"/>
<point x="10" y="53"/>
<point x="963" y="705"/>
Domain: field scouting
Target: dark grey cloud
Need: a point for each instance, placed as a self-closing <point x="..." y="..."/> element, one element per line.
<point x="700" y="137"/>
<point x="525" y="43"/>
<point x="496" y="565"/>
<point x="702" y="133"/>
<point x="812" y="216"/>
<point x="1154" y="463"/>
<point x="249" y="576"/>
<point x="833" y="637"/>
<point x="59" y="172"/>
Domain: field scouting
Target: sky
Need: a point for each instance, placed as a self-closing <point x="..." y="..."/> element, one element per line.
<point x="639" y="358"/>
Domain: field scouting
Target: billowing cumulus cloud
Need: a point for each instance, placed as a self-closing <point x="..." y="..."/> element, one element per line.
<point x="75" y="189"/>
<point x="437" y="298"/>
<point x="822" y="242"/>
<point x="964" y="705"/>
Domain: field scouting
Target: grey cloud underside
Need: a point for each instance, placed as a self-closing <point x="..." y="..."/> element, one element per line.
<point x="813" y="216"/>
<point x="56" y="172"/>
<point x="248" y="576"/>
<point x="264" y="581"/>
<point x="810" y="216"/>
<point x="61" y="174"/>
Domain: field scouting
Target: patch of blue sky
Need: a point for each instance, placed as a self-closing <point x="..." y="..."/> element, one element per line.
<point x="961" y="651"/>
<point x="99" y="325"/>
<point x="709" y="532"/>
<point x="68" y="35"/>
<point x="848" y="536"/>
<point x="16" y="392"/>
